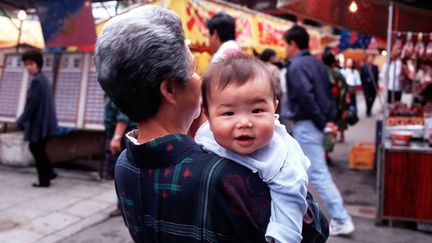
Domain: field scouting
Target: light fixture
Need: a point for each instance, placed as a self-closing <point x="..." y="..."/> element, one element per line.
<point x="22" y="15"/>
<point x="353" y="7"/>
<point x="384" y="53"/>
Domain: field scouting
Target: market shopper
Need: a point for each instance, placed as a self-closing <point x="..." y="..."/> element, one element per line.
<point x="222" y="37"/>
<point x="340" y="92"/>
<point x="170" y="189"/>
<point x="268" y="56"/>
<point x="39" y="119"/>
<point x="369" y="79"/>
<point x="312" y="109"/>
<point x="391" y="75"/>
<point x="352" y="77"/>
<point x="116" y="125"/>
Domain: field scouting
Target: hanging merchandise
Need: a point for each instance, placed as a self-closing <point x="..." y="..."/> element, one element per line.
<point x="419" y="48"/>
<point x="408" y="48"/>
<point x="398" y="43"/>
<point x="428" y="53"/>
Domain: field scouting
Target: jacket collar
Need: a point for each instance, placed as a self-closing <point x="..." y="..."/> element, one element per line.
<point x="301" y="53"/>
<point x="160" y="152"/>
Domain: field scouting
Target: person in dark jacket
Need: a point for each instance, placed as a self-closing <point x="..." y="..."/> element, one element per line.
<point x="116" y="125"/>
<point x="312" y="109"/>
<point x="39" y="119"/>
<point x="369" y="80"/>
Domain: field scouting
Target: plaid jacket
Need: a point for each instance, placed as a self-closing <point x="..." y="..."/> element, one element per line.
<point x="171" y="190"/>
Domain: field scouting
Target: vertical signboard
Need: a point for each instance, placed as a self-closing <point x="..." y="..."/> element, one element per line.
<point x="94" y="108"/>
<point x="12" y="88"/>
<point x="68" y="88"/>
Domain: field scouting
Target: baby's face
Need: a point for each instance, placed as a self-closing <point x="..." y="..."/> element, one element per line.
<point x="242" y="117"/>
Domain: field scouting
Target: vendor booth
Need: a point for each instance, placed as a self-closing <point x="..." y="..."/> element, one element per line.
<point x="404" y="184"/>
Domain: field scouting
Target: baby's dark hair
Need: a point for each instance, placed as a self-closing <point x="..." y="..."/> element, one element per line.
<point x="233" y="71"/>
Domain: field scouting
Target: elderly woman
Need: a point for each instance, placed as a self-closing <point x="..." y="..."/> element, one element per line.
<point x="170" y="189"/>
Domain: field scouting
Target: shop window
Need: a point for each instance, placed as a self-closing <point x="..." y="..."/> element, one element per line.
<point x="77" y="63"/>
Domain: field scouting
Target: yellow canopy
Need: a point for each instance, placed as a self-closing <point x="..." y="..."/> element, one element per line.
<point x="31" y="33"/>
<point x="253" y="29"/>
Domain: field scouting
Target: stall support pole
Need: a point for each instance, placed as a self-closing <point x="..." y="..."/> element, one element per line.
<point x="381" y="151"/>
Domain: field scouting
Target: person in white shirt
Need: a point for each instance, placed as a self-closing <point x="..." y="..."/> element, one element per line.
<point x="240" y="103"/>
<point x="352" y="77"/>
<point x="393" y="80"/>
<point x="222" y="37"/>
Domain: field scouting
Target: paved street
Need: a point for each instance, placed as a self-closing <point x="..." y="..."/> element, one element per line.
<point x="76" y="200"/>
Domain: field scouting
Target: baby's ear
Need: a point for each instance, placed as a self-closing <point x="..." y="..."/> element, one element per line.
<point x="276" y="103"/>
<point x="206" y="114"/>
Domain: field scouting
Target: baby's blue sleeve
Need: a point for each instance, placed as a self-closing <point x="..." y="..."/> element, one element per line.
<point x="288" y="192"/>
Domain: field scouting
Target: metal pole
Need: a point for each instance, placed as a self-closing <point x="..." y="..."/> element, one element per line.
<point x="19" y="35"/>
<point x="389" y="45"/>
<point x="381" y="160"/>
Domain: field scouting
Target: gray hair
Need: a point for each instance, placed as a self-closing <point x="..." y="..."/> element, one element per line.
<point x="135" y="52"/>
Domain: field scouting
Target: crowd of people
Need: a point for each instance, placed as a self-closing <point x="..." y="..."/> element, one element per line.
<point x="223" y="158"/>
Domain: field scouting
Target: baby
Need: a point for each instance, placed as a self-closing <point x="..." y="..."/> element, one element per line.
<point x="240" y="103"/>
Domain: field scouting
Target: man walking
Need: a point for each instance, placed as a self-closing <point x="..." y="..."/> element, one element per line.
<point x="222" y="37"/>
<point x="312" y="109"/>
<point x="369" y="79"/>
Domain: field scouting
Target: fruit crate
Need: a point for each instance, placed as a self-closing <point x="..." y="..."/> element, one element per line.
<point x="362" y="156"/>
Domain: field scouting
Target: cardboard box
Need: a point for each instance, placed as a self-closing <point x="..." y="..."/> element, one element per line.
<point x="362" y="156"/>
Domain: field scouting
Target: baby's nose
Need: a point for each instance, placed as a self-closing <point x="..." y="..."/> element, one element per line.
<point x="244" y="122"/>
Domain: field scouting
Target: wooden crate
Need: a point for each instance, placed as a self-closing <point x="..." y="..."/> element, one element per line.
<point x="362" y="156"/>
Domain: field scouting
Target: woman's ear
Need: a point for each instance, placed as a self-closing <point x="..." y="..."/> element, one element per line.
<point x="167" y="91"/>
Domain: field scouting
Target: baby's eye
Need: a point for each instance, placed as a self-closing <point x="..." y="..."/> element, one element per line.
<point x="228" y="113"/>
<point x="257" y="110"/>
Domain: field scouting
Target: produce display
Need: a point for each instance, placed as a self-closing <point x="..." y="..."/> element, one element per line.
<point x="402" y="114"/>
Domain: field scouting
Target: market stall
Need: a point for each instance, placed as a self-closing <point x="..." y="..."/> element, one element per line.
<point x="404" y="164"/>
<point x="404" y="171"/>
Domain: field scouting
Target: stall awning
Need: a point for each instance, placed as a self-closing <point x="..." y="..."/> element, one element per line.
<point x="370" y="18"/>
<point x="255" y="30"/>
